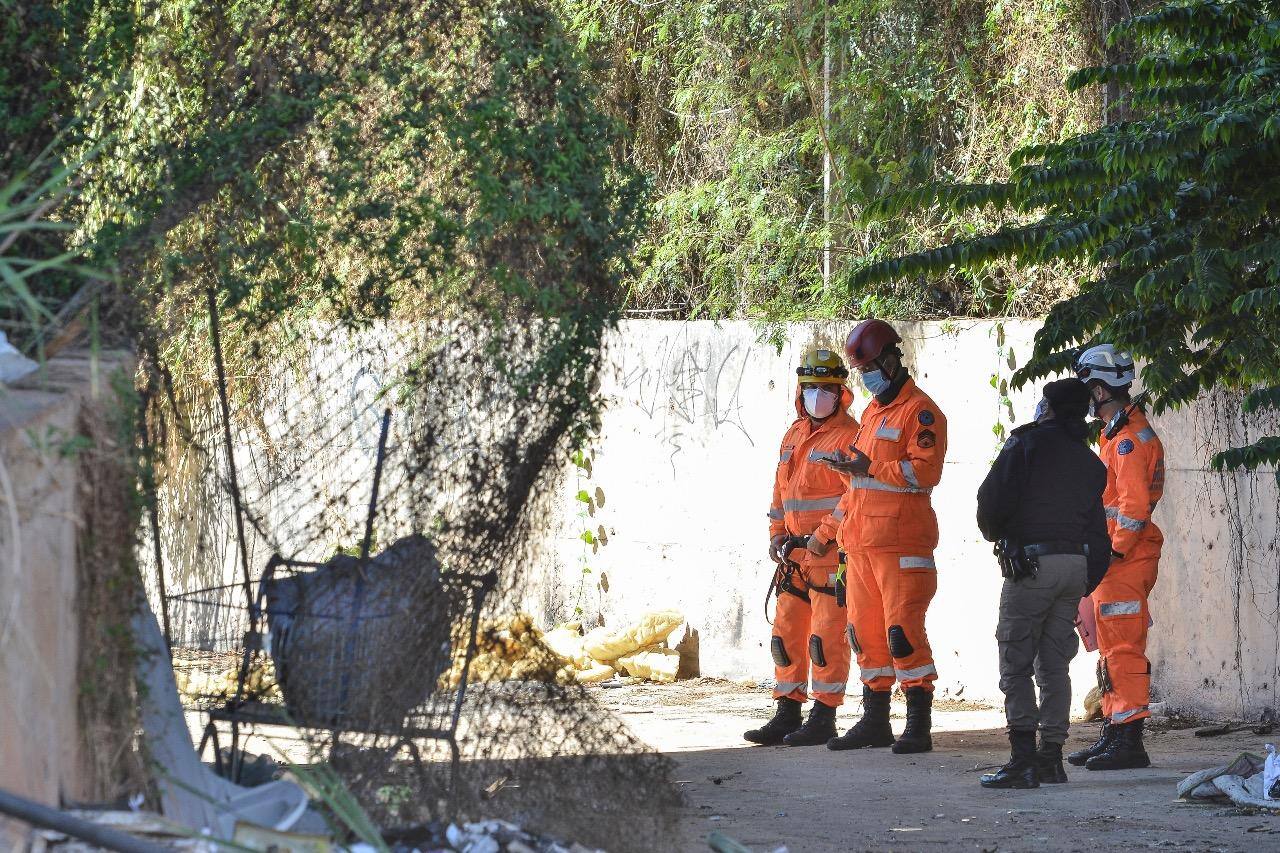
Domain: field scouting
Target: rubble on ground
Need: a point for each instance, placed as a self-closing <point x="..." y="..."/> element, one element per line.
<point x="497" y="836"/>
<point x="489" y="836"/>
<point x="513" y="648"/>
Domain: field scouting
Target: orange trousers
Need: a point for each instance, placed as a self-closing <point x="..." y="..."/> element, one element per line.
<point x="810" y="634"/>
<point x="1120" y="607"/>
<point x="889" y="594"/>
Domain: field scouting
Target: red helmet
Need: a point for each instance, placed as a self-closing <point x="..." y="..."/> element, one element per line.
<point x="868" y="340"/>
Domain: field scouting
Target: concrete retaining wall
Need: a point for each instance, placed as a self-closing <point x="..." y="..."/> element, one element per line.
<point x="41" y="754"/>
<point x="680" y="479"/>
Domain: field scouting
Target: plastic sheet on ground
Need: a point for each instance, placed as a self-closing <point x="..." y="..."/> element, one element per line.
<point x="13" y="364"/>
<point x="1240" y="783"/>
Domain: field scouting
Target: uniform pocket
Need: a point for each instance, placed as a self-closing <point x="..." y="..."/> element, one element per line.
<point x="1017" y="653"/>
<point x="879" y="521"/>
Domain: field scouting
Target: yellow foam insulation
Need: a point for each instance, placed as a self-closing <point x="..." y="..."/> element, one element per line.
<point x="656" y="663"/>
<point x="205" y="676"/>
<point x="513" y="648"/>
<point x="653" y="627"/>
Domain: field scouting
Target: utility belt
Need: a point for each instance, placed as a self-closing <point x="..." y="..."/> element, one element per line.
<point x="1023" y="561"/>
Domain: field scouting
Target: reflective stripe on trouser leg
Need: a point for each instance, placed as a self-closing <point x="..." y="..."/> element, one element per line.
<point x="829" y="681"/>
<point x="866" y="615"/>
<point x="791" y="630"/>
<point x="907" y="583"/>
<point x="1120" y="606"/>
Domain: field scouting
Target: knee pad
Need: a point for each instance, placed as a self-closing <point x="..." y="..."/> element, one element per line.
<point x="779" y="651"/>
<point x="815" y="651"/>
<point x="899" y="646"/>
<point x="853" y="639"/>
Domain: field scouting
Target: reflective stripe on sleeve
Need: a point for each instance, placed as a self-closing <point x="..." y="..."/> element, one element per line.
<point x="837" y="514"/>
<point x="918" y="672"/>
<point x="809" y="505"/>
<point x="1128" y="523"/>
<point x="1119" y="608"/>
<point x="1146" y="434"/>
<point x="785" y="456"/>
<point x="1124" y="716"/>
<point x="776" y="514"/>
<point x="877" y="486"/>
<point x="909" y="472"/>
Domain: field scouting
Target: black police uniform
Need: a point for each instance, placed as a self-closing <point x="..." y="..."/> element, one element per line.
<point x="1044" y="495"/>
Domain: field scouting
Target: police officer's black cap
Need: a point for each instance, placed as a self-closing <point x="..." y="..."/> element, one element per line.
<point x="1068" y="397"/>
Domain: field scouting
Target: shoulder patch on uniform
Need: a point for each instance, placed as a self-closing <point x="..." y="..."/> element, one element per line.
<point x="926" y="438"/>
<point x="925" y="417"/>
<point x="1126" y="446"/>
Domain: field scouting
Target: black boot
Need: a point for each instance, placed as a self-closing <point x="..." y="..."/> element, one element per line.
<point x="785" y="721"/>
<point x="1079" y="757"/>
<point x="1049" y="764"/>
<point x="1021" y="771"/>
<point x="915" y="737"/>
<point x="1125" y="752"/>
<point x="873" y="729"/>
<point x="817" y="730"/>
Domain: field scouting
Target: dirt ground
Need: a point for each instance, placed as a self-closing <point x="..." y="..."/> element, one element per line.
<point x="811" y="799"/>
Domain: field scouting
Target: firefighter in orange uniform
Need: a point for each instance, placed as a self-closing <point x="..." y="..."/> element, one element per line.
<point x="1135" y="482"/>
<point x="886" y="525"/>
<point x="808" y="629"/>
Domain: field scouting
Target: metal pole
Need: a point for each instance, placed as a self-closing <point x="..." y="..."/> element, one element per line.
<point x="826" y="148"/>
<point x="45" y="817"/>
<point x="373" y="498"/>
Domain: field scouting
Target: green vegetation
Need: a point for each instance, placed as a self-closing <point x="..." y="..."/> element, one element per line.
<point x="1174" y="208"/>
<point x="724" y="105"/>
<point x="319" y="159"/>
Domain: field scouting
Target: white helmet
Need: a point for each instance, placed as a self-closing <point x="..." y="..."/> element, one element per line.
<point x="1106" y="364"/>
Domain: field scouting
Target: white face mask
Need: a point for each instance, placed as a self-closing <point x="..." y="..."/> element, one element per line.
<point x="819" y="403"/>
<point x="875" y="382"/>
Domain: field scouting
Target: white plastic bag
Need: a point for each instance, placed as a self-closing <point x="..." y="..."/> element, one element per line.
<point x="1271" y="774"/>
<point x="13" y="364"/>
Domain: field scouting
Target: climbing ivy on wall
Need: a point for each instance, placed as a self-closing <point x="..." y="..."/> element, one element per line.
<point x="322" y="159"/>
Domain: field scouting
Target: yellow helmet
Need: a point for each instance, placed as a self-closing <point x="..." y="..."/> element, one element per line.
<point x="823" y="366"/>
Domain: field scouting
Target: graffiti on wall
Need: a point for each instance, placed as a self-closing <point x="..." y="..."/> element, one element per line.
<point x="682" y="383"/>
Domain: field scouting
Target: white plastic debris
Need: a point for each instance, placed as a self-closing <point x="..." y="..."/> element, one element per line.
<point x="1240" y="782"/>
<point x="13" y="364"/>
<point x="1271" y="774"/>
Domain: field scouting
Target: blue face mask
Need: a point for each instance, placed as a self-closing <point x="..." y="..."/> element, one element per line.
<point x="875" y="382"/>
<point x="1042" y="409"/>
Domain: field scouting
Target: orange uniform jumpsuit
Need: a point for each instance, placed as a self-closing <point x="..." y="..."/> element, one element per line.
<point x="886" y="525"/>
<point x="804" y="493"/>
<point x="1135" y="483"/>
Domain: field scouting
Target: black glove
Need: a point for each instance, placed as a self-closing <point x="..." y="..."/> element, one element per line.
<point x="793" y="543"/>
